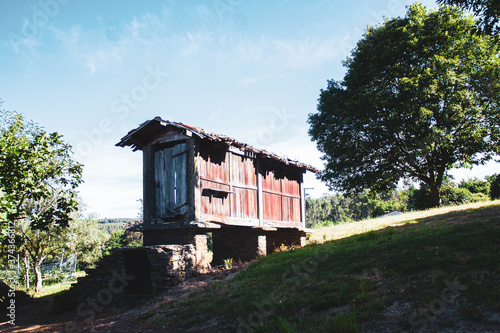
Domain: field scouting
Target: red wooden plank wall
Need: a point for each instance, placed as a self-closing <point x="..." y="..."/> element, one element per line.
<point x="243" y="171"/>
<point x="230" y="172"/>
<point x="244" y="181"/>
<point x="281" y="198"/>
<point x="214" y="165"/>
<point x="214" y="205"/>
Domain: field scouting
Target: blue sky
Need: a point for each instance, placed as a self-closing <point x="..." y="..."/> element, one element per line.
<point x="93" y="70"/>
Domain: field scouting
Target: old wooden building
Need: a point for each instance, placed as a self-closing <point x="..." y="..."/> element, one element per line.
<point x="196" y="182"/>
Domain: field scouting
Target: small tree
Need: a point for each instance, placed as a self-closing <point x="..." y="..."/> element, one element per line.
<point x="38" y="181"/>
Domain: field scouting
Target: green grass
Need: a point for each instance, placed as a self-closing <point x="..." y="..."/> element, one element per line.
<point x="345" y="285"/>
<point x="53" y="289"/>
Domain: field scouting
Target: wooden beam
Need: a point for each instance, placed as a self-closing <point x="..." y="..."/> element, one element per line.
<point x="148" y="188"/>
<point x="196" y="181"/>
<point x="191" y="180"/>
<point x="302" y="202"/>
<point x="230" y="221"/>
<point x="205" y="225"/>
<point x="260" y="198"/>
<point x="229" y="156"/>
<point x="282" y="200"/>
<point x="169" y="139"/>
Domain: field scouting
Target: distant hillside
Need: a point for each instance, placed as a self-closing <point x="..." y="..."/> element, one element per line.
<point x="439" y="273"/>
<point x="111" y="225"/>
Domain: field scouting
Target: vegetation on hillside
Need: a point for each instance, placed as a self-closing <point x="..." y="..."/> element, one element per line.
<point x="341" y="208"/>
<point x="110" y="225"/>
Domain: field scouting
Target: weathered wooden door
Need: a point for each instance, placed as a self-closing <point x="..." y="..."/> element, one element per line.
<point x="171" y="181"/>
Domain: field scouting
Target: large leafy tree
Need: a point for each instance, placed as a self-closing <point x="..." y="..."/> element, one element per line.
<point x="420" y="96"/>
<point x="487" y="11"/>
<point x="38" y="182"/>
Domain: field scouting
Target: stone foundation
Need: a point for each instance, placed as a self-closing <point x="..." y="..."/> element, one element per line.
<point x="142" y="271"/>
<point x="182" y="237"/>
<point x="288" y="237"/>
<point x="238" y="243"/>
<point x="151" y="269"/>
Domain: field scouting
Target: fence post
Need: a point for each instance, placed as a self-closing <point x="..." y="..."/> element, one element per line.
<point x="62" y="258"/>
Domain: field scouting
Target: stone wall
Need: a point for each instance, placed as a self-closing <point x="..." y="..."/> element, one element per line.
<point x="138" y="272"/>
<point x="181" y="236"/>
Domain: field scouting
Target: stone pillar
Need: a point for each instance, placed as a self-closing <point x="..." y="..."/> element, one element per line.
<point x="202" y="259"/>
<point x="262" y="246"/>
<point x="239" y="243"/>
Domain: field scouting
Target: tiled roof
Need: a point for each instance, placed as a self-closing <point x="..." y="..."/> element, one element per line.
<point x="155" y="127"/>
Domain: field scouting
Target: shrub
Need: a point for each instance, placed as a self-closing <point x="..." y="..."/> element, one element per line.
<point x="475" y="185"/>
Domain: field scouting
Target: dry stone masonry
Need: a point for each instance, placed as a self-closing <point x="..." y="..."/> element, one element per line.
<point x="135" y="272"/>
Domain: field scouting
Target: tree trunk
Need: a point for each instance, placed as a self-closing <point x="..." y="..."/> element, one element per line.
<point x="38" y="278"/>
<point x="435" y="195"/>
<point x="27" y="271"/>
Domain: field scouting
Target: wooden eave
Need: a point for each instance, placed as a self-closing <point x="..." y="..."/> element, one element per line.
<point x="153" y="131"/>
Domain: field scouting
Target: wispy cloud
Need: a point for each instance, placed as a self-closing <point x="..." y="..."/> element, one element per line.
<point x="295" y="53"/>
<point x="155" y="36"/>
<point x="247" y="81"/>
<point x="142" y="37"/>
<point x="191" y="43"/>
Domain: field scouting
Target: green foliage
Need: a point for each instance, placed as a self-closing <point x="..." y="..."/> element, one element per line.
<point x="494" y="182"/>
<point x="340" y="208"/>
<point x="111" y="225"/>
<point x="123" y="238"/>
<point x="228" y="263"/>
<point x="487" y="11"/>
<point x="84" y="238"/>
<point x="38" y="181"/>
<point x="475" y="185"/>
<point x="420" y="199"/>
<point x="38" y="178"/>
<point x="420" y="97"/>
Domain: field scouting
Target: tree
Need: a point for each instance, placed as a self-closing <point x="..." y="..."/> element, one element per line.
<point x="420" y="96"/>
<point x="494" y="182"/>
<point x="476" y="185"/>
<point x="124" y="238"/>
<point x="487" y="11"/>
<point x="86" y="239"/>
<point x="38" y="181"/>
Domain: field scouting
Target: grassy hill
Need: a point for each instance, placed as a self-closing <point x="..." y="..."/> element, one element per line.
<point x="438" y="273"/>
<point x="432" y="271"/>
